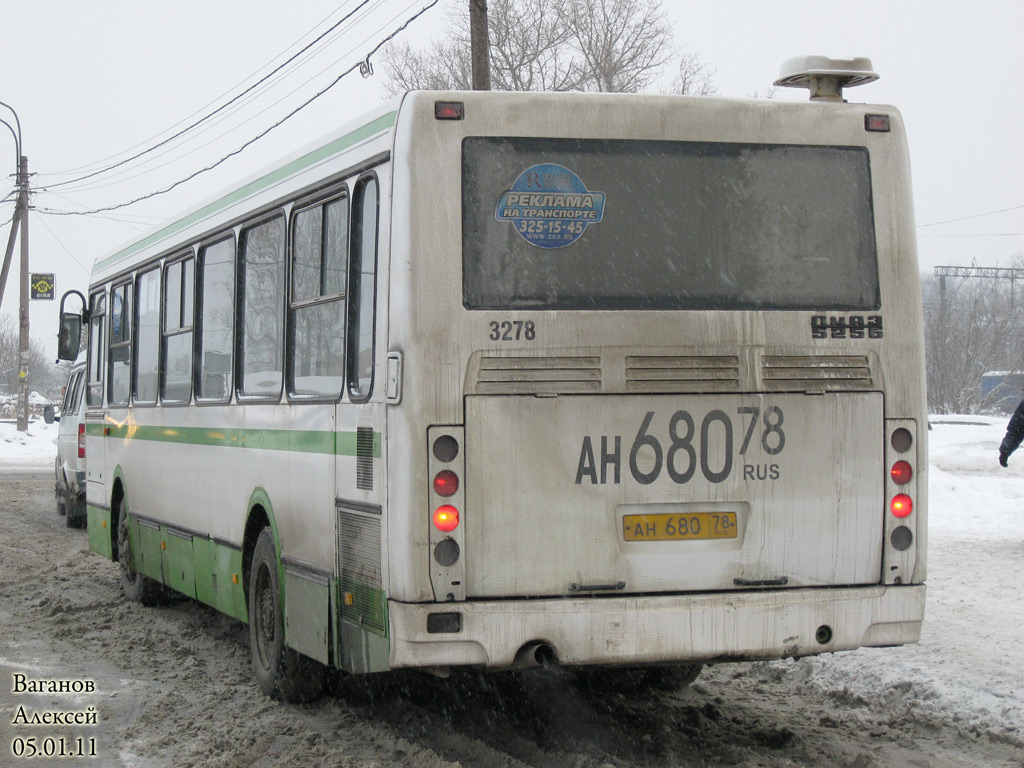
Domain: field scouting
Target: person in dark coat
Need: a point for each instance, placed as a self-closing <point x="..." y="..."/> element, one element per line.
<point x="1014" y="434"/>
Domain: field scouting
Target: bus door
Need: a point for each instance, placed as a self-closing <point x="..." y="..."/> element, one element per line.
<point x="95" y="378"/>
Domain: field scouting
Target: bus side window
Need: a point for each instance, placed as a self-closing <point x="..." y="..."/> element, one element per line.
<point x="176" y="342"/>
<point x="147" y="336"/>
<point x="316" y="327"/>
<point x="362" y="284"/>
<point x="216" y="320"/>
<point x="120" y="344"/>
<point x="97" y="347"/>
<point x="261" y="288"/>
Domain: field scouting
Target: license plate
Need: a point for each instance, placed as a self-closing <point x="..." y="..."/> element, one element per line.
<point x="676" y="527"/>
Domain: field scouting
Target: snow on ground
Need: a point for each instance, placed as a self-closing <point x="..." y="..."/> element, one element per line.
<point x="35" y="449"/>
<point x="968" y="670"/>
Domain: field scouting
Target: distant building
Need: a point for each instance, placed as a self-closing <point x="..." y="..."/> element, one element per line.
<point x="1002" y="390"/>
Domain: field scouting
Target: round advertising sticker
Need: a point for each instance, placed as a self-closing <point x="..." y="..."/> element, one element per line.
<point x="550" y="206"/>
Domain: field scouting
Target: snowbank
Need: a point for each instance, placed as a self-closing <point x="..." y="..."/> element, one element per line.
<point x="32" y="450"/>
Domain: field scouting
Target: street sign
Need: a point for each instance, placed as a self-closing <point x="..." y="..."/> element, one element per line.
<point x="42" y="286"/>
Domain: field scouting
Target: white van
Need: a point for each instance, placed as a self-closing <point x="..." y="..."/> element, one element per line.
<point x="69" y="466"/>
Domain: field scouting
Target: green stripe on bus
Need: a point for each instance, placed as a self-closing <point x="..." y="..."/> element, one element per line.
<point x="312" y="158"/>
<point x="298" y="441"/>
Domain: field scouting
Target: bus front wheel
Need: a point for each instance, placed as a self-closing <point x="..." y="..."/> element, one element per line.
<point x="281" y="672"/>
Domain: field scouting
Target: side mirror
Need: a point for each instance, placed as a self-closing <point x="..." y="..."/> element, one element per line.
<point x="69" y="338"/>
<point x="48" y="414"/>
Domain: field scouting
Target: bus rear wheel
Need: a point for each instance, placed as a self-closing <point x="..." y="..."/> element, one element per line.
<point x="136" y="587"/>
<point x="281" y="672"/>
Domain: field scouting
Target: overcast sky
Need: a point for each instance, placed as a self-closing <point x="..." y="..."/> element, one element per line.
<point x="92" y="80"/>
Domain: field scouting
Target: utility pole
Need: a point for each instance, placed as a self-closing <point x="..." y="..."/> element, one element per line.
<point x="20" y="218"/>
<point x="23" y="337"/>
<point x="480" y="44"/>
<point x="10" y="240"/>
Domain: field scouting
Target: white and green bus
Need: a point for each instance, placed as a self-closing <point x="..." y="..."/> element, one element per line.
<point x="494" y="380"/>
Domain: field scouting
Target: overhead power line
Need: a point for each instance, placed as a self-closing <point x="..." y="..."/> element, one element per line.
<point x="974" y="216"/>
<point x="140" y="169"/>
<point x="221" y="108"/>
<point x="109" y="158"/>
<point x="362" y="65"/>
<point x="988" y="234"/>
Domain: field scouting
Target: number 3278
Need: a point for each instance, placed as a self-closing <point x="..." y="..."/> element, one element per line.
<point x="513" y="330"/>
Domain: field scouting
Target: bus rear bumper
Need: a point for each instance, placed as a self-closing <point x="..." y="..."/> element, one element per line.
<point x="733" y="626"/>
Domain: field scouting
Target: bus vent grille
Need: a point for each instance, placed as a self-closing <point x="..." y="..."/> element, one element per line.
<point x="538" y="375"/>
<point x="818" y="373"/>
<point x="683" y="374"/>
<point x="360" y="568"/>
<point x="364" y="458"/>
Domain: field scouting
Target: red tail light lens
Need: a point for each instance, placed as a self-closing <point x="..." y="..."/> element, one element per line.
<point x="446" y="483"/>
<point x="446" y="518"/>
<point x="901" y="473"/>
<point x="449" y="110"/>
<point x="81" y="441"/>
<point x="901" y="505"/>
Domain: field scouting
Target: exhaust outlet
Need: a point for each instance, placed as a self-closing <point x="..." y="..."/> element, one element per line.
<point x="535" y="654"/>
<point x="545" y="655"/>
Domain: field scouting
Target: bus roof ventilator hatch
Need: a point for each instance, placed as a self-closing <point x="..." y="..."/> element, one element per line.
<point x="825" y="78"/>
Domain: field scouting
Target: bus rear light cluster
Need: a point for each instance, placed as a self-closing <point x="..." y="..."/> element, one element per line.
<point x="446" y="500"/>
<point x="446" y="484"/>
<point x="901" y="493"/>
<point x="901" y="472"/>
<point x="81" y="441"/>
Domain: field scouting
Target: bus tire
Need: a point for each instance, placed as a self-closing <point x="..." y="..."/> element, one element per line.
<point x="281" y="672"/>
<point x="77" y="511"/>
<point x="136" y="587"/>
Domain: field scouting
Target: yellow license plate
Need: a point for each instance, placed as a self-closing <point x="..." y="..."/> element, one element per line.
<point x="676" y="527"/>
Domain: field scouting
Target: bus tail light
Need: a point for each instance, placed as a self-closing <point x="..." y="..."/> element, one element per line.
<point x="901" y="472"/>
<point x="81" y="441"/>
<point x="449" y="110"/>
<point x="901" y="505"/>
<point x="446" y="518"/>
<point x="446" y="483"/>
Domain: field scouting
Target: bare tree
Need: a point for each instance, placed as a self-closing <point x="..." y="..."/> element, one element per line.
<point x="47" y="377"/>
<point x="695" y="76"/>
<point x="972" y="327"/>
<point x="530" y="47"/>
<point x="623" y="44"/>
<point x="443" y="67"/>
<point x="550" y="45"/>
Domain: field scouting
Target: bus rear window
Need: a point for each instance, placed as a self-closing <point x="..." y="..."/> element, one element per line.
<point x="616" y="224"/>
